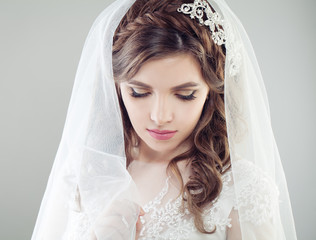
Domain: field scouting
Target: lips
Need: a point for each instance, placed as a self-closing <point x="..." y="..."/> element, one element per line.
<point x="161" y="134"/>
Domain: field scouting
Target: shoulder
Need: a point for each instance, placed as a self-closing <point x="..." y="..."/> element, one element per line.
<point x="256" y="194"/>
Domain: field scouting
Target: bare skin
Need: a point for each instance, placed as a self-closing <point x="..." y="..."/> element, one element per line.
<point x="167" y="94"/>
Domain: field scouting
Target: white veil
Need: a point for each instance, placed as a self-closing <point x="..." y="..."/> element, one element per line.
<point x="91" y="159"/>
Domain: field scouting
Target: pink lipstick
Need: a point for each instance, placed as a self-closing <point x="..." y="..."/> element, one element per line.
<point x="161" y="135"/>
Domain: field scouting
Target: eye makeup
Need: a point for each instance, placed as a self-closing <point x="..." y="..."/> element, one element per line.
<point x="186" y="97"/>
<point x="136" y="94"/>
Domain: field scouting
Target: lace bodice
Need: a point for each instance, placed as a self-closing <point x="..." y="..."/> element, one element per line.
<point x="169" y="221"/>
<point x="165" y="219"/>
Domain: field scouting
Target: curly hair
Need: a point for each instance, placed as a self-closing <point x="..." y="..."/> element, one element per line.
<point x="153" y="29"/>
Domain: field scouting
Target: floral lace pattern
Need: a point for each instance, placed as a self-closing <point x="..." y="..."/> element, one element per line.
<point x="257" y="195"/>
<point x="212" y="216"/>
<point x="234" y="59"/>
<point x="256" y="202"/>
<point x="171" y="222"/>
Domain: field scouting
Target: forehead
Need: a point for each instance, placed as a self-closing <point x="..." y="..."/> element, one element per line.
<point x="170" y="71"/>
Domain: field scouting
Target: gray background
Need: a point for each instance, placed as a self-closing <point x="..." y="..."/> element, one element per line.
<point x="40" y="46"/>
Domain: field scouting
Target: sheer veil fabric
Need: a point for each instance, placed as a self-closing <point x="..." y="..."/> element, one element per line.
<point x="91" y="161"/>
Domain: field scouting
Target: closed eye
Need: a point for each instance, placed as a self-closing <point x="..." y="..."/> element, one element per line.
<point x="186" y="97"/>
<point x="138" y="93"/>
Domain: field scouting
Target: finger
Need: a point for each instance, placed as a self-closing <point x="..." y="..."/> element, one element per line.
<point x="139" y="227"/>
<point x="139" y="224"/>
<point x="141" y="212"/>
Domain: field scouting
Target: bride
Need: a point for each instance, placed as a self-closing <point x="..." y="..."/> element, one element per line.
<point x="168" y="133"/>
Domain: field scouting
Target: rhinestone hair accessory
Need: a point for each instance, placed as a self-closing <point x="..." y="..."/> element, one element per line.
<point x="214" y="20"/>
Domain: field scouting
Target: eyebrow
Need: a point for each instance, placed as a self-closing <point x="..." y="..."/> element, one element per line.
<point x="179" y="87"/>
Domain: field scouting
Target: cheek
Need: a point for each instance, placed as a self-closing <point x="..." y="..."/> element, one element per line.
<point x="137" y="110"/>
<point x="190" y="120"/>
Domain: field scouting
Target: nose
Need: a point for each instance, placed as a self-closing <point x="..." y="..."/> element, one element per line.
<point x="161" y="112"/>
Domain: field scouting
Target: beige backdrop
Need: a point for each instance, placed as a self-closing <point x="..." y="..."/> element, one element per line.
<point x="40" y="46"/>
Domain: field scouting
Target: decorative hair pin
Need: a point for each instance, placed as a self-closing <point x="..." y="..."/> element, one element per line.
<point x="214" y="21"/>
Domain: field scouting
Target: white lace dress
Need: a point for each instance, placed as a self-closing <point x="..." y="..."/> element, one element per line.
<point x="164" y="218"/>
<point x="168" y="221"/>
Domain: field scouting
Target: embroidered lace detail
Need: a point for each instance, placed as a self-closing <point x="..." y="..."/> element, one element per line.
<point x="212" y="216"/>
<point x="233" y="48"/>
<point x="256" y="202"/>
<point x="173" y="223"/>
<point x="157" y="200"/>
<point x="257" y="195"/>
<point x="79" y="226"/>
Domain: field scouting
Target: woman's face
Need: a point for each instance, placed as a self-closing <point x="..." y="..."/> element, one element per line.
<point x="164" y="101"/>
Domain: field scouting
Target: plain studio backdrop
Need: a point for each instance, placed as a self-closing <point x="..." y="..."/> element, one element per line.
<point x="40" y="46"/>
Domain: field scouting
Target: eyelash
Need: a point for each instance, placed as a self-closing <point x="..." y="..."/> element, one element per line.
<point x="138" y="95"/>
<point x="181" y="97"/>
<point x="187" y="97"/>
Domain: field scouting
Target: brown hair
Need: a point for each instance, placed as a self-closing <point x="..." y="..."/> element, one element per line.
<point x="153" y="29"/>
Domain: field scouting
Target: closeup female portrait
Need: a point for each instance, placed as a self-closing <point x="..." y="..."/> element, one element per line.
<point x="168" y="133"/>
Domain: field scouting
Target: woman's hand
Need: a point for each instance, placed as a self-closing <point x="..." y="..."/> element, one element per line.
<point x="139" y="224"/>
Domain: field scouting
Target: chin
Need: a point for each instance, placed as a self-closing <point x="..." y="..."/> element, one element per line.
<point x="164" y="149"/>
<point x="161" y="146"/>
